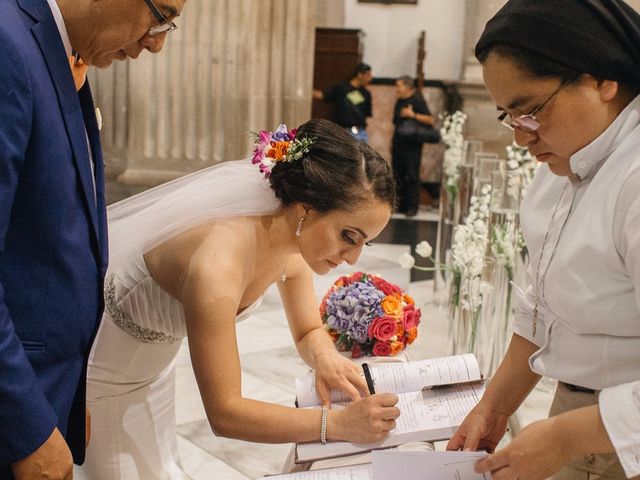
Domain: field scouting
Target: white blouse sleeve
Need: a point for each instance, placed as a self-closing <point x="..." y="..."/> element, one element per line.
<point x="620" y="412"/>
<point x="620" y="405"/>
<point x="523" y="321"/>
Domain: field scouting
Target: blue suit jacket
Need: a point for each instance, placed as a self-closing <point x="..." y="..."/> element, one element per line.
<point x="53" y="243"/>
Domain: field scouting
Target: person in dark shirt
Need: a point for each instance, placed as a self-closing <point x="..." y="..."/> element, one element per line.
<point x="352" y="101"/>
<point x="406" y="155"/>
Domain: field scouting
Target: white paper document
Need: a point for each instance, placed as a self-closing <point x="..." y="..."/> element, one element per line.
<point x="354" y="472"/>
<point x="393" y="464"/>
<point x="427" y="415"/>
<point x="402" y="377"/>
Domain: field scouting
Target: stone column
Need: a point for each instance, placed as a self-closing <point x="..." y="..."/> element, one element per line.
<point x="478" y="13"/>
<point x="231" y="67"/>
<point x="331" y="13"/>
<point x="477" y="101"/>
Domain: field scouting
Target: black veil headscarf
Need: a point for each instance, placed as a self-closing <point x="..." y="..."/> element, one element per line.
<point x="600" y="37"/>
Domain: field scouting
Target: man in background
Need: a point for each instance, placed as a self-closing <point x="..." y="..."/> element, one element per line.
<point x="352" y="101"/>
<point x="53" y="238"/>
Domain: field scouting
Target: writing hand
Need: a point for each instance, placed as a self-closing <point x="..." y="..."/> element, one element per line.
<point x="364" y="421"/>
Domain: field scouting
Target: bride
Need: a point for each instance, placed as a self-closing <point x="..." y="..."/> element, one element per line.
<point x="192" y="257"/>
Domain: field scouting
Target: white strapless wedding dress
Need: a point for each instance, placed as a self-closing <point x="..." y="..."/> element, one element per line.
<point x="131" y="380"/>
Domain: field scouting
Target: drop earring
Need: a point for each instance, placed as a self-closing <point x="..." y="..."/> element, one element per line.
<point x="299" y="229"/>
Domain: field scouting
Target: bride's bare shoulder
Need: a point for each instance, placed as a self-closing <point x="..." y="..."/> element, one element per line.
<point x="225" y="245"/>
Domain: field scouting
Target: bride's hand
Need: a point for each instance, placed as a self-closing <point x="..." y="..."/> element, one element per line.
<point x="335" y="371"/>
<point x="365" y="421"/>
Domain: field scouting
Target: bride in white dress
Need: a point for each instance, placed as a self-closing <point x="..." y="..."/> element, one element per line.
<point x="192" y="257"/>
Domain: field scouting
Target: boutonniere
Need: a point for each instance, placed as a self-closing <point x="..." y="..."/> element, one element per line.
<point x="99" y="118"/>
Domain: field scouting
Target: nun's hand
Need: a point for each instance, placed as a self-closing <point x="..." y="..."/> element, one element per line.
<point x="536" y="453"/>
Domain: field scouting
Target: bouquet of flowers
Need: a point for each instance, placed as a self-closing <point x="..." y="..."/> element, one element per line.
<point x="367" y="315"/>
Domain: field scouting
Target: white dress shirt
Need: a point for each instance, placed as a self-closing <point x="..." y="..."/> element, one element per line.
<point x="588" y="281"/>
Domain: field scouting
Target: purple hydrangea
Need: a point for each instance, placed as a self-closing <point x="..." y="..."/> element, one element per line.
<point x="352" y="308"/>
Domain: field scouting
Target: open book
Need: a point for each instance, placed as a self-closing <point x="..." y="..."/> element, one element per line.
<point x="435" y="395"/>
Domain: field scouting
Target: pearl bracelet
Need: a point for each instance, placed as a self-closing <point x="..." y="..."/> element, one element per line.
<point x="323" y="425"/>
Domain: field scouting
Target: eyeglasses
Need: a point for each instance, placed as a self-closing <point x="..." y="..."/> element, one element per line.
<point x="529" y="122"/>
<point x="164" y="25"/>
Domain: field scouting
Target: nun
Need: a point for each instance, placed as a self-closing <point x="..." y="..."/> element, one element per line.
<point x="565" y="77"/>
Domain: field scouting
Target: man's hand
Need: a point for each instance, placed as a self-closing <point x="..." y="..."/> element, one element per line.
<point x="52" y="461"/>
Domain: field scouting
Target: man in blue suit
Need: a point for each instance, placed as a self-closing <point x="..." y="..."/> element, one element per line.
<point x="53" y="239"/>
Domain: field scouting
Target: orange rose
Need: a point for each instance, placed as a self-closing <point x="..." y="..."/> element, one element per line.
<point x="412" y="335"/>
<point x="396" y="347"/>
<point x="408" y="299"/>
<point x="400" y="328"/>
<point x="392" y="305"/>
<point x="278" y="150"/>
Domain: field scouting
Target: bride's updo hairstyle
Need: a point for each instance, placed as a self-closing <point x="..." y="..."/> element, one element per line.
<point x="337" y="172"/>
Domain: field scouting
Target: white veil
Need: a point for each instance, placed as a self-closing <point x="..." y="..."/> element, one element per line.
<point x="229" y="189"/>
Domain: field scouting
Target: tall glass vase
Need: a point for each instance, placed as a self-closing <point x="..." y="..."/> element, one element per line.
<point x="465" y="192"/>
<point x="462" y="323"/>
<point x="443" y="245"/>
<point x="484" y="346"/>
<point x="484" y="166"/>
<point x="466" y="312"/>
<point x="504" y="237"/>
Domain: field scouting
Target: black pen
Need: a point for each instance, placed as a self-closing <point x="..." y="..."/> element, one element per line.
<point x="368" y="378"/>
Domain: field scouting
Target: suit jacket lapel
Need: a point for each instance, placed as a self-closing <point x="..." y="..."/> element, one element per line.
<point x="48" y="38"/>
<point x="93" y="132"/>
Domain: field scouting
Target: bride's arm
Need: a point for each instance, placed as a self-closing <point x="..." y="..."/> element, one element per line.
<point x="210" y="293"/>
<point x="312" y="340"/>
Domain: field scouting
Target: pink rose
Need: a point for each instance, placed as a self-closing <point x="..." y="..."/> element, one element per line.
<point x="382" y="328"/>
<point x="411" y="317"/>
<point x="382" y="349"/>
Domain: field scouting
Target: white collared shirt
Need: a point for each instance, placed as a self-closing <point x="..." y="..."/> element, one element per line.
<point x="589" y="293"/>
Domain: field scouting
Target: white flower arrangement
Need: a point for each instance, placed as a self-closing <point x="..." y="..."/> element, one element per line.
<point x="506" y="243"/>
<point x="452" y="136"/>
<point x="519" y="159"/>
<point x="470" y="241"/>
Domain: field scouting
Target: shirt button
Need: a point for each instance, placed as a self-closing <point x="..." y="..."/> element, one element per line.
<point x="590" y="459"/>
